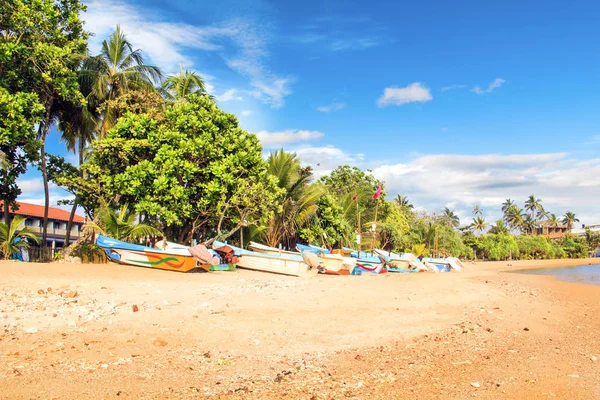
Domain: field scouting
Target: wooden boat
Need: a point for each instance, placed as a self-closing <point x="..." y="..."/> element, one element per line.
<point x="263" y="248"/>
<point x="406" y="261"/>
<point x="375" y="269"/>
<point x="334" y="264"/>
<point x="175" y="259"/>
<point x="284" y="264"/>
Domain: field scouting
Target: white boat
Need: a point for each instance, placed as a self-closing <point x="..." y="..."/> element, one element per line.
<point x="334" y="264"/>
<point x="285" y="264"/>
<point x="406" y="260"/>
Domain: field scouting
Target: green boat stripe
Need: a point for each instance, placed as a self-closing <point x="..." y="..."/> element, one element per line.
<point x="164" y="260"/>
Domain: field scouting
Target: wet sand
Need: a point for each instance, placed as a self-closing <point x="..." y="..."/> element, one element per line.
<point x="70" y="331"/>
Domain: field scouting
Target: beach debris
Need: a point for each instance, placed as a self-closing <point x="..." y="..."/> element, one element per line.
<point x="159" y="342"/>
<point x="359" y="385"/>
<point x="475" y="384"/>
<point x="526" y="329"/>
<point x="573" y="376"/>
<point x="594" y="358"/>
<point x="134" y="308"/>
<point x="70" y="295"/>
<point x="31" y="330"/>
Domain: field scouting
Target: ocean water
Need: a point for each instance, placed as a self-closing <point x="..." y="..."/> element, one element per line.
<point x="589" y="274"/>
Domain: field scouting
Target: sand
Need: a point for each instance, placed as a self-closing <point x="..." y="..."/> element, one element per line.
<point x="109" y="331"/>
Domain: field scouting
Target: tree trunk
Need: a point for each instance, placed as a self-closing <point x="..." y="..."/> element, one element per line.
<point x="76" y="202"/>
<point x="70" y="223"/>
<point x="6" y="212"/>
<point x="45" y="171"/>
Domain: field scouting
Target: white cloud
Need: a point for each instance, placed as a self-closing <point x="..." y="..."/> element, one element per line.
<point x="229" y="95"/>
<point x="275" y="139"/>
<point x="324" y="159"/>
<point x="240" y="42"/>
<point x="487" y="180"/>
<point x="494" y="85"/>
<point x="453" y="87"/>
<point x="414" y="92"/>
<point x="331" y="107"/>
<point x="246" y="113"/>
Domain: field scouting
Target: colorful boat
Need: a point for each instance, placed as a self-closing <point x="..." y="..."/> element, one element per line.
<point x="284" y="264"/>
<point x="406" y="261"/>
<point x="334" y="264"/>
<point x="374" y="269"/>
<point x="174" y="259"/>
<point x="312" y="249"/>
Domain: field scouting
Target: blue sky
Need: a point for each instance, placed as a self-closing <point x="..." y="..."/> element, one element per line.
<point x="452" y="103"/>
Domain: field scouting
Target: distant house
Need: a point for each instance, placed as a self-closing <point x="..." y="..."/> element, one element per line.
<point x="551" y="231"/>
<point x="57" y="222"/>
<point x="595" y="228"/>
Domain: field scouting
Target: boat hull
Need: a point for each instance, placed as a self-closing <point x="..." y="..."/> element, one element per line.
<point x="150" y="259"/>
<point x="277" y="265"/>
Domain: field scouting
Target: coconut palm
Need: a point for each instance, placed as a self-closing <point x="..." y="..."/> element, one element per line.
<point x="507" y="205"/>
<point x="479" y="224"/>
<point x="179" y="87"/>
<point x="499" y="228"/>
<point x="533" y="205"/>
<point x="477" y="211"/>
<point x="8" y="234"/>
<point x="120" y="225"/>
<point x="450" y="218"/>
<point x="529" y="223"/>
<point x="117" y="69"/>
<point x="569" y="220"/>
<point x="403" y="203"/>
<point x="299" y="202"/>
<point x="553" y="220"/>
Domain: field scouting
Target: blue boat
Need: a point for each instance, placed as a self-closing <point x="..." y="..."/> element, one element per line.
<point x="312" y="249"/>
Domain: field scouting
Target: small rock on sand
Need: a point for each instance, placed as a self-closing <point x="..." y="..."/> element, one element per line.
<point x="475" y="384"/>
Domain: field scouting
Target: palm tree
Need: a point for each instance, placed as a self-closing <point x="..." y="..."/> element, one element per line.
<point x="529" y="223"/>
<point x="479" y="224"/>
<point x="553" y="220"/>
<point x="299" y="202"/>
<point x="121" y="225"/>
<point x="8" y="234"/>
<point x="507" y="205"/>
<point x="179" y="87"/>
<point x="499" y="227"/>
<point x="569" y="220"/>
<point x="403" y="203"/>
<point x="450" y="218"/>
<point x="477" y="211"/>
<point x="117" y="69"/>
<point x="533" y="205"/>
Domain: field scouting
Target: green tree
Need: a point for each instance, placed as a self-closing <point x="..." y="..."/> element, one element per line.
<point x="533" y="205"/>
<point x="553" y="220"/>
<point x="450" y="218"/>
<point x="117" y="69"/>
<point x="479" y="224"/>
<point x="121" y="225"/>
<point x="499" y="227"/>
<point x="195" y="172"/>
<point x="8" y="234"/>
<point x="477" y="211"/>
<point x="569" y="220"/>
<point x="42" y="43"/>
<point x="18" y="143"/>
<point x="299" y="203"/>
<point x="329" y="227"/>
<point x="179" y="87"/>
<point x="507" y="205"/>
<point x="403" y="203"/>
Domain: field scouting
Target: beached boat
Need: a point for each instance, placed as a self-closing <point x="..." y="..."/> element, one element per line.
<point x="312" y="249"/>
<point x="334" y="264"/>
<point x="284" y="264"/>
<point x="403" y="261"/>
<point x="366" y="268"/>
<point x="173" y="259"/>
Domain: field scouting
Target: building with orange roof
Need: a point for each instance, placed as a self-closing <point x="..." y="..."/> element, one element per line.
<point x="57" y="222"/>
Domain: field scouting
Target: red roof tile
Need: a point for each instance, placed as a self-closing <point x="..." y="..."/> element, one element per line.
<point x="33" y="210"/>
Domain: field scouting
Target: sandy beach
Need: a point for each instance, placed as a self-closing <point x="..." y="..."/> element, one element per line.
<point x="109" y="331"/>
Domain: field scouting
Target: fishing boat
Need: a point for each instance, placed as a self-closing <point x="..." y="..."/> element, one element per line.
<point x="366" y="268"/>
<point x="171" y="259"/>
<point x="334" y="264"/>
<point x="312" y="249"/>
<point x="263" y="248"/>
<point x="285" y="264"/>
<point x="406" y="261"/>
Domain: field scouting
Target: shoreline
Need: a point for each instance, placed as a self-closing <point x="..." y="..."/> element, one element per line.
<point x="248" y="334"/>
